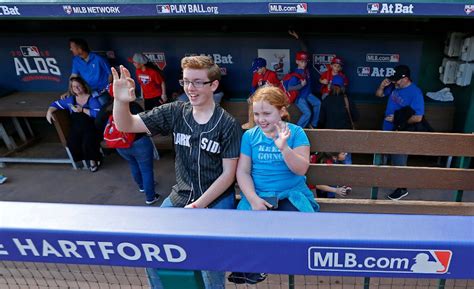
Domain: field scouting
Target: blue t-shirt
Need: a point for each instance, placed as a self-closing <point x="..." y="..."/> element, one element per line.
<point x="305" y="90"/>
<point x="269" y="170"/>
<point x="95" y="71"/>
<point x="401" y="97"/>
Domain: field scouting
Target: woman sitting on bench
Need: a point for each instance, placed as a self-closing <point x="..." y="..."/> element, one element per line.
<point x="83" y="139"/>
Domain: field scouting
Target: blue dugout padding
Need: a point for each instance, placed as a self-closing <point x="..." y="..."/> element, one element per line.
<point x="340" y="244"/>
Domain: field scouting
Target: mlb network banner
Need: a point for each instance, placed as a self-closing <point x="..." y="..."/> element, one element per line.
<point x="236" y="8"/>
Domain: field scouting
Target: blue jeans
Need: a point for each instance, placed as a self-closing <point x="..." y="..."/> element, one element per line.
<point x="140" y="159"/>
<point x="309" y="107"/>
<point x="212" y="279"/>
<point x="399" y="160"/>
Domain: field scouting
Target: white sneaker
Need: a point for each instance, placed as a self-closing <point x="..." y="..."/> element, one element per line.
<point x="3" y="179"/>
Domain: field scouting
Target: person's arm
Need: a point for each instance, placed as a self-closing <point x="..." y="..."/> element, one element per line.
<point x="163" y="92"/>
<point x="324" y="78"/>
<point x="380" y="90"/>
<point x="244" y="178"/>
<point x="93" y="108"/>
<point x="124" y="93"/>
<point x="297" y="159"/>
<point x="303" y="44"/>
<point x="415" y="119"/>
<point x="340" y="191"/>
<point x="49" y="114"/>
<point x="418" y="106"/>
<point x="220" y="185"/>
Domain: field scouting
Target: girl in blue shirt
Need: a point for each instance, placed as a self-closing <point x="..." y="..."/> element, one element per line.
<point x="274" y="157"/>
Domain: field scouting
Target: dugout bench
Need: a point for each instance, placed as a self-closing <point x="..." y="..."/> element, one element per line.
<point x="18" y="107"/>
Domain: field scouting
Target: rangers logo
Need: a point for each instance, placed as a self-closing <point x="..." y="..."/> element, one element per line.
<point x="468" y="9"/>
<point x="166" y="9"/>
<point x="373" y="8"/>
<point x="321" y="62"/>
<point x="67" y="9"/>
<point x="386" y="260"/>
<point x="158" y="58"/>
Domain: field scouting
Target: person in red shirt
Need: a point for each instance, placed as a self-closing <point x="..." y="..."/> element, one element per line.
<point x="261" y="77"/>
<point x="326" y="77"/>
<point x="151" y="82"/>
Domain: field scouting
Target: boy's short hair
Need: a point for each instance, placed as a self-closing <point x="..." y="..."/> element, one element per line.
<point x="81" y="43"/>
<point x="202" y="62"/>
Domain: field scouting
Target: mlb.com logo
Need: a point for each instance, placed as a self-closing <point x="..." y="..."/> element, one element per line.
<point x="424" y="261"/>
<point x="165" y="9"/>
<point x="288" y="7"/>
<point x="468" y="9"/>
<point x="373" y="8"/>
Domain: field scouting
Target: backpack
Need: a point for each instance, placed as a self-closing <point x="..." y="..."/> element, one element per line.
<point x="293" y="94"/>
<point x="115" y="138"/>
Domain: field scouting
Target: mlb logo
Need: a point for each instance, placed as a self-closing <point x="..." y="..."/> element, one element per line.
<point x="373" y="8"/>
<point x="363" y="71"/>
<point x="30" y="51"/>
<point x="67" y="9"/>
<point x="395" y="58"/>
<point x="432" y="261"/>
<point x="302" y="8"/>
<point x="163" y="8"/>
<point x="468" y="9"/>
<point x="158" y="58"/>
<point x="321" y="62"/>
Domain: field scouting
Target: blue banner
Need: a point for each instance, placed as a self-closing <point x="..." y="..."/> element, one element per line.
<point x="371" y="9"/>
<point x="395" y="246"/>
<point x="43" y="63"/>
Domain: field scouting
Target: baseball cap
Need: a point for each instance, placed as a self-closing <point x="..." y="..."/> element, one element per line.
<point x="302" y="55"/>
<point x="138" y="58"/>
<point x="258" y="63"/>
<point x="401" y="71"/>
<point x="337" y="80"/>
<point x="337" y="60"/>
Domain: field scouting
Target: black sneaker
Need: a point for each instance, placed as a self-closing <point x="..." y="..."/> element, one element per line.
<point x="254" y="278"/>
<point x="236" y="277"/>
<point x="398" y="194"/>
<point x="149" y="203"/>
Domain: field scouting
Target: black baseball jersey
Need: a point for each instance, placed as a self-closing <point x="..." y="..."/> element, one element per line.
<point x="199" y="148"/>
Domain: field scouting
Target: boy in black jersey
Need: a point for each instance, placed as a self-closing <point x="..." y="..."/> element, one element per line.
<point x="206" y="139"/>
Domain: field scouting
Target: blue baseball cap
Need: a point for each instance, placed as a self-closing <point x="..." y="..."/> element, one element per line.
<point x="258" y="63"/>
<point x="338" y="81"/>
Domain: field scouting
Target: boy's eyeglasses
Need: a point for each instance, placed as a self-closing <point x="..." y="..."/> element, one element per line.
<point x="196" y="83"/>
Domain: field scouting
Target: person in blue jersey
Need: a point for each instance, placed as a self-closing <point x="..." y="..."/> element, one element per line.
<point x="83" y="140"/>
<point x="274" y="158"/>
<point x="307" y="103"/>
<point x="401" y="92"/>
